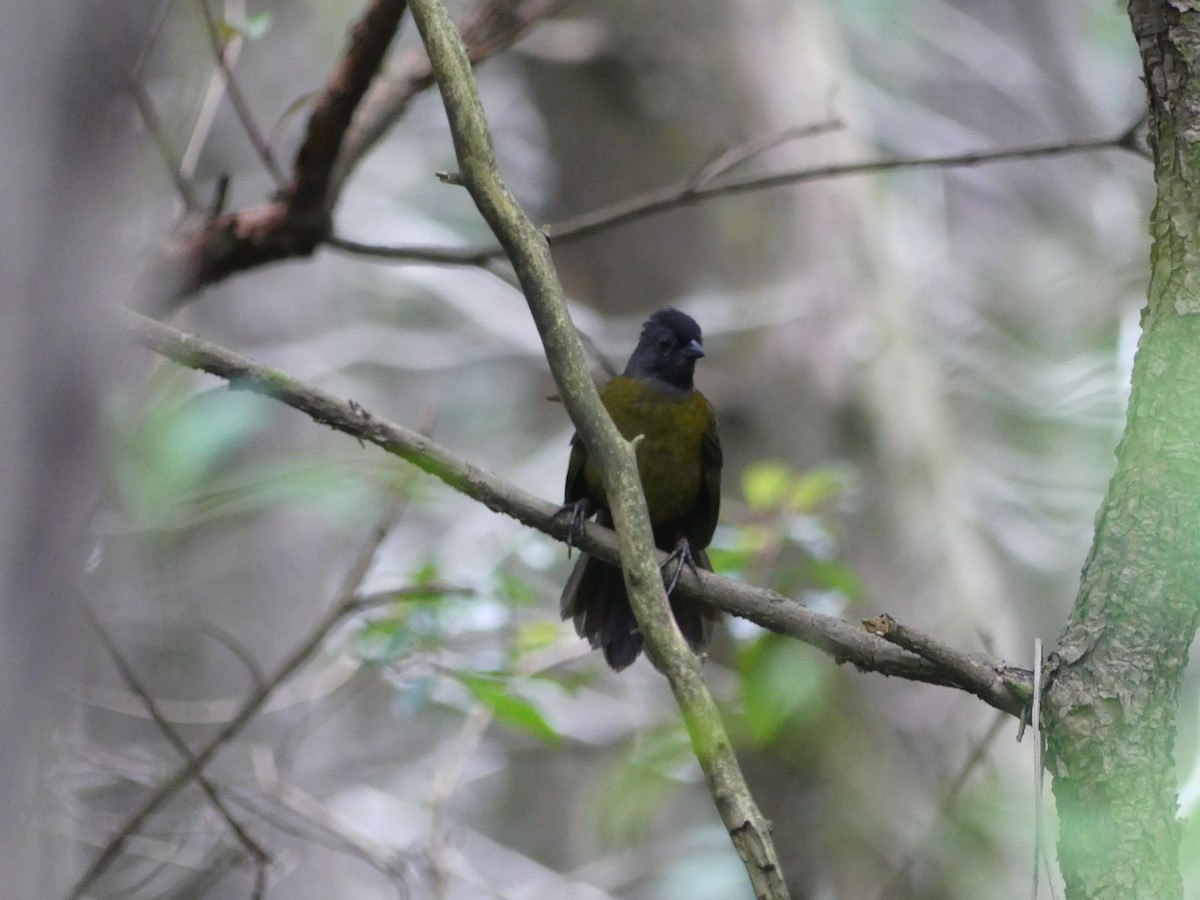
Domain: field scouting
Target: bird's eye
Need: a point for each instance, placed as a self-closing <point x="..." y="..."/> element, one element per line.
<point x="664" y="342"/>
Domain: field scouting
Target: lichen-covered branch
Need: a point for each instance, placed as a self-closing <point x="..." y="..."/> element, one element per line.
<point x="1004" y="687"/>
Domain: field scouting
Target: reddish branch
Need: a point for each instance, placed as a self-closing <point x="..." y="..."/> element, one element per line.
<point x="294" y="223"/>
<point x="327" y="126"/>
<point x="342" y="128"/>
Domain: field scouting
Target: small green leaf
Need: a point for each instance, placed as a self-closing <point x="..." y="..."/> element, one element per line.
<point x="765" y="484"/>
<point x="252" y="28"/>
<point x="536" y="635"/>
<point x="515" y="589"/>
<point x="816" y="487"/>
<point x="780" y="683"/>
<point x="726" y="560"/>
<point x="513" y="710"/>
<point x="382" y="640"/>
<point x="834" y="576"/>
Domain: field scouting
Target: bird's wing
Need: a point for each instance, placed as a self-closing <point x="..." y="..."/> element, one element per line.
<point x="575" y="489"/>
<point x="703" y="520"/>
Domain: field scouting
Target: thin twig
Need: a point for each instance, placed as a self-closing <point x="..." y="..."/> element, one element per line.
<point x="697" y="189"/>
<point x="728" y="160"/>
<point x="293" y="223"/>
<point x="1004" y="687"/>
<point x="977" y="754"/>
<point x="226" y="53"/>
<point x="153" y="124"/>
<point x="344" y="604"/>
<point x="133" y="683"/>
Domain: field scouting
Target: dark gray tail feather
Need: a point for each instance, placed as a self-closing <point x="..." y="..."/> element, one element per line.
<point x="594" y="596"/>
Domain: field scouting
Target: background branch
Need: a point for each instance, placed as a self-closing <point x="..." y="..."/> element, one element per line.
<point x="295" y="223"/>
<point x="344" y="604"/>
<point x="125" y="669"/>
<point x="705" y="185"/>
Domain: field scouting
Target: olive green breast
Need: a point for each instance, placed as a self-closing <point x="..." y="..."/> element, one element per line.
<point x="670" y="456"/>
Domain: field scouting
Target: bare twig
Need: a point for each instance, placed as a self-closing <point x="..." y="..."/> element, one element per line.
<point x="226" y="53"/>
<point x="977" y="754"/>
<point x="700" y="188"/>
<point x="445" y="780"/>
<point x="252" y="847"/>
<point x="727" y="160"/>
<point x="1004" y="687"/>
<point x="344" y="604"/>
<point x="149" y="114"/>
<point x="339" y="133"/>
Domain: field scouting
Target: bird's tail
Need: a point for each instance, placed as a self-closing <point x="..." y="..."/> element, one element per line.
<point x="594" y="596"/>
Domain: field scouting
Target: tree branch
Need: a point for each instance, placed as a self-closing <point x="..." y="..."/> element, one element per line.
<point x="703" y="186"/>
<point x="345" y="124"/>
<point x="294" y="223"/>
<point x="1006" y="688"/>
<point x="493" y="26"/>
<point x="369" y="41"/>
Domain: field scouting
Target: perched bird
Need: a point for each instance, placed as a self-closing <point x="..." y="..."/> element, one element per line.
<point x="679" y="461"/>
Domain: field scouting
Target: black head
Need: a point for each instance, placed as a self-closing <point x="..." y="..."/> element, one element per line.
<point x="668" y="349"/>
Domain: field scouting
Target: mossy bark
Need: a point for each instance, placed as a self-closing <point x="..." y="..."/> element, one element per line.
<point x="1113" y="689"/>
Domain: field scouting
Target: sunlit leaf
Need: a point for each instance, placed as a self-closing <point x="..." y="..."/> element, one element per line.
<point x="780" y="682"/>
<point x="536" y="635"/>
<point x="510" y="708"/>
<point x="252" y="28"/>
<point x="814" y="488"/>
<point x="834" y="576"/>
<point x="766" y="484"/>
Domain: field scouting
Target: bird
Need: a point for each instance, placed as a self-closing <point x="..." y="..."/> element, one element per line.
<point x="679" y="462"/>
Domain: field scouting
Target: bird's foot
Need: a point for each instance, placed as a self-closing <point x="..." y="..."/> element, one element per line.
<point x="681" y="556"/>
<point x="577" y="513"/>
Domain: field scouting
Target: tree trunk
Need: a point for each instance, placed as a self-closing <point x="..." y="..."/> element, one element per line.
<point x="1114" y="679"/>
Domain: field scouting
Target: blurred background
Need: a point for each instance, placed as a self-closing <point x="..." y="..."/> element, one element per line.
<point x="920" y="376"/>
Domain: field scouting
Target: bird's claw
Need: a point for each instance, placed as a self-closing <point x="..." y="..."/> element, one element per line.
<point x="681" y="556"/>
<point x="577" y="513"/>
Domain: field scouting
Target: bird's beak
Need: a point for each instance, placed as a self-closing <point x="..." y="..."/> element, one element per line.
<point x="693" y="350"/>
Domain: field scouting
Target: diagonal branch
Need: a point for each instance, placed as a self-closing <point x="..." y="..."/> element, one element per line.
<point x="1006" y="688"/>
<point x="327" y="125"/>
<point x="490" y="28"/>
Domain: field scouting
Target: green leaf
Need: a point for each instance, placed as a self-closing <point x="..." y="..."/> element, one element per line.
<point x="511" y="709"/>
<point x="781" y="683"/>
<point x="252" y="28"/>
<point x="765" y="484"/>
<point x="381" y="640"/>
<point x="814" y="488"/>
<point x="834" y="576"/>
<point x="643" y="780"/>
<point x="515" y="589"/>
<point x="536" y="635"/>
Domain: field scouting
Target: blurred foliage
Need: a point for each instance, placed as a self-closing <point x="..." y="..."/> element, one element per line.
<point x="180" y="459"/>
<point x="638" y="786"/>
<point x="786" y="534"/>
